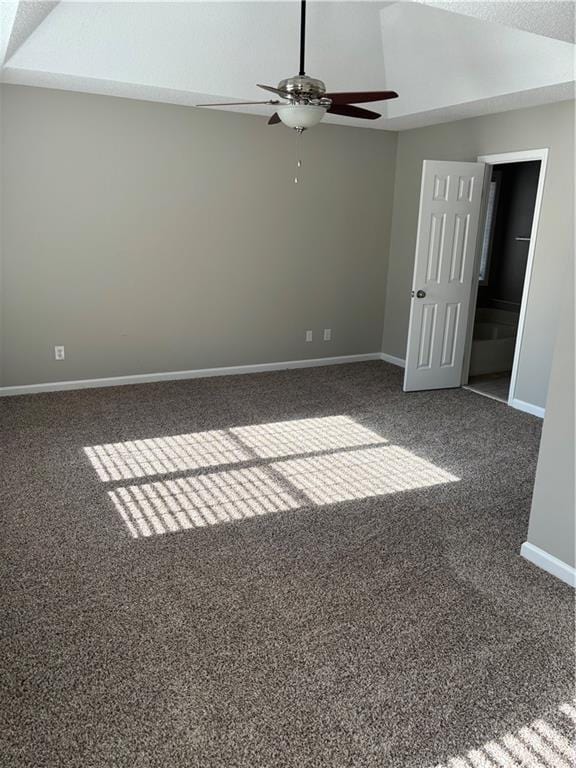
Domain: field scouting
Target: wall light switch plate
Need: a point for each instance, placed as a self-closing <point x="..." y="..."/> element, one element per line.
<point x="327" y="334"/>
<point x="58" y="353"/>
<point x="308" y="335"/>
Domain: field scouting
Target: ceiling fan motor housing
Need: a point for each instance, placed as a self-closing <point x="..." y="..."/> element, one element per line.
<point x="303" y="89"/>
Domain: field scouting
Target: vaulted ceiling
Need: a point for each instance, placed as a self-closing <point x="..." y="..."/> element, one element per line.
<point x="447" y="60"/>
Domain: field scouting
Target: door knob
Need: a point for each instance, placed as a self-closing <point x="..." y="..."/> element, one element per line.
<point x="420" y="294"/>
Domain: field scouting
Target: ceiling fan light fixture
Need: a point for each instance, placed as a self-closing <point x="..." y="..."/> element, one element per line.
<point x="301" y="116"/>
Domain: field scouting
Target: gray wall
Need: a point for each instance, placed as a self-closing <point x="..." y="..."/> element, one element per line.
<point x="552" y="519"/>
<point x="148" y="237"/>
<point x="549" y="126"/>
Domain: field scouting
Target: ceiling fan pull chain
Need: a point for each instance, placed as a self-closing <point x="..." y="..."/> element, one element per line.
<point x="298" y="160"/>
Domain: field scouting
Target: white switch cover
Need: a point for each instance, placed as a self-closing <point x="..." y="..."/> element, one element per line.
<point x="58" y="353"/>
<point x="308" y="335"/>
<point x="327" y="334"/>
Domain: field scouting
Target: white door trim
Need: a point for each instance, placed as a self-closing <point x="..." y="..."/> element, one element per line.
<point x="523" y="157"/>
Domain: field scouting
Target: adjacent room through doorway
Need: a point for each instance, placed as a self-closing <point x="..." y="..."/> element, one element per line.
<point x="511" y="203"/>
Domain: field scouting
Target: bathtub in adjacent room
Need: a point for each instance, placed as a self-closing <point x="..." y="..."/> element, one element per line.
<point x="493" y="341"/>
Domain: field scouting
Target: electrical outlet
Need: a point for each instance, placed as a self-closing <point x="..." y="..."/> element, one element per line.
<point x="327" y="334"/>
<point x="308" y="335"/>
<point x="58" y="353"/>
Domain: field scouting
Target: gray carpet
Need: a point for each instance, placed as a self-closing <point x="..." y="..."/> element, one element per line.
<point x="183" y="586"/>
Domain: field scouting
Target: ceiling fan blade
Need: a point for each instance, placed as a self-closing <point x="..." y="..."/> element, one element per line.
<point x="348" y="110"/>
<point x="236" y="103"/>
<point x="273" y="90"/>
<point x="274" y="119"/>
<point x="359" y="97"/>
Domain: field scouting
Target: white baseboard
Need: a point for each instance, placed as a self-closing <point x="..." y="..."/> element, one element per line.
<point x="520" y="405"/>
<point x="201" y="373"/>
<point x="549" y="563"/>
<point x="391" y="359"/>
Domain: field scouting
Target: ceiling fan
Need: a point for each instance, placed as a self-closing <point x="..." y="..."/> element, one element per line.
<point x="306" y="100"/>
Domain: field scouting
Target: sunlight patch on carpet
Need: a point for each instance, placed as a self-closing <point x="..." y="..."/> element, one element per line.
<point x="335" y="459"/>
<point x="163" y="455"/>
<point x="542" y="744"/>
<point x="359" y="474"/>
<point x="195" y="502"/>
<point x="198" y="450"/>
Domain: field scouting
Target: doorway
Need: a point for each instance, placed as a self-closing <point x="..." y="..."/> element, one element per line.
<point x="456" y="242"/>
<point x="514" y="188"/>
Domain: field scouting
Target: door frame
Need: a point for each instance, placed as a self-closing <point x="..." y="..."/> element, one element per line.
<point x="522" y="156"/>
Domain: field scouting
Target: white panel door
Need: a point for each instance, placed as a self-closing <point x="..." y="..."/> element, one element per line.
<point x="444" y="271"/>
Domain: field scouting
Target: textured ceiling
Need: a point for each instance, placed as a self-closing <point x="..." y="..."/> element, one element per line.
<point x="471" y="59"/>
<point x="551" y="18"/>
<point x="27" y="16"/>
